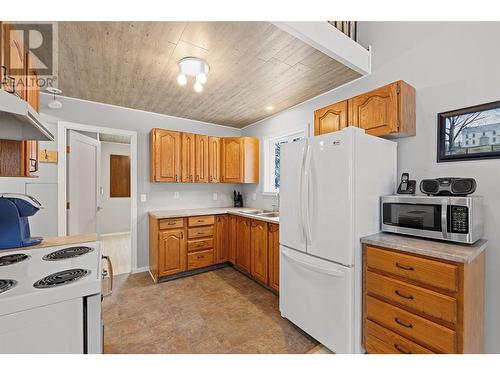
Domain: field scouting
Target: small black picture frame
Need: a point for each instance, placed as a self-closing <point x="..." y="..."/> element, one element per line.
<point x="471" y="133"/>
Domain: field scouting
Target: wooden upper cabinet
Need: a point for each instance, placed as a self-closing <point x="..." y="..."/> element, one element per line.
<point x="243" y="243"/>
<point x="188" y="157"/>
<point x="165" y="155"/>
<point x="330" y="119"/>
<point x="201" y="158"/>
<point x="274" y="256"/>
<point x="386" y="111"/>
<point x="240" y="160"/>
<point x="171" y="252"/>
<point x="221" y="238"/>
<point x="259" y="250"/>
<point x="214" y="159"/>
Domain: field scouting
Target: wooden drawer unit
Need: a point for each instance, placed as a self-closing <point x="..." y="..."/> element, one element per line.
<point x="433" y="273"/>
<point x="419" y="299"/>
<point x="195" y="245"/>
<point x="200" y="259"/>
<point x="199" y="221"/>
<point x="411" y="325"/>
<point x="418" y="304"/>
<point x="171" y="223"/>
<point x="199" y="232"/>
<point x="381" y="340"/>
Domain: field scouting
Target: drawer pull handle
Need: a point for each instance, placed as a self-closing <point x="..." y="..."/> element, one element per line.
<point x="403" y="295"/>
<point x="399" y="349"/>
<point x="407" y="325"/>
<point x="200" y="221"/>
<point x="171" y="223"/>
<point x="406" y="268"/>
<point x="200" y="233"/>
<point x="200" y="256"/>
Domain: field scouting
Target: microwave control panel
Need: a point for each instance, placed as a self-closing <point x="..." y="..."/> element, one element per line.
<point x="459" y="219"/>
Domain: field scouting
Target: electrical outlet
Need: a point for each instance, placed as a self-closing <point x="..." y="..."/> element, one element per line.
<point x="254" y="196"/>
<point x="215" y="196"/>
<point x="176" y="195"/>
<point x="143" y="198"/>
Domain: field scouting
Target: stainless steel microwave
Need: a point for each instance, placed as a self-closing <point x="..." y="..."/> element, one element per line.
<point x="457" y="219"/>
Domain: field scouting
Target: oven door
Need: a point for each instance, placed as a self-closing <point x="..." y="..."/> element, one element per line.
<point x="419" y="217"/>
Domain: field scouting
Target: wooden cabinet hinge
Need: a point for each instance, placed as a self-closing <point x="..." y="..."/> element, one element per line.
<point x="67" y="149"/>
<point x="67" y="205"/>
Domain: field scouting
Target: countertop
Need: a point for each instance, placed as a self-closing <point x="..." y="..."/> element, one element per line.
<point x="454" y="252"/>
<point x="169" y="214"/>
<point x="57" y="241"/>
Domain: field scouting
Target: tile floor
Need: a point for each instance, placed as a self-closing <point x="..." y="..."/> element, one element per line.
<point x="221" y="311"/>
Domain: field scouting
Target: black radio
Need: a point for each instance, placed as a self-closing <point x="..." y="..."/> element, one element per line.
<point x="448" y="186"/>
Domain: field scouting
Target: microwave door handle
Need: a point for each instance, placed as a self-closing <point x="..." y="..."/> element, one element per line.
<point x="444" y="218"/>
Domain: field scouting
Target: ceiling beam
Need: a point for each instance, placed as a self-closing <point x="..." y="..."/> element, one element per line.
<point x="332" y="42"/>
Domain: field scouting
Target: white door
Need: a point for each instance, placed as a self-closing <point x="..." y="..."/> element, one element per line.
<point x="83" y="180"/>
<point x="316" y="295"/>
<point x="292" y="195"/>
<point x="329" y="201"/>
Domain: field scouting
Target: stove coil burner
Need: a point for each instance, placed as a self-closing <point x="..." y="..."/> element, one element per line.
<point x="7" y="260"/>
<point x="6" y="284"/>
<point x="61" y="278"/>
<point x="70" y="252"/>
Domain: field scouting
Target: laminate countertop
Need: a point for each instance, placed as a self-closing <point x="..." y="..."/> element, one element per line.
<point x="57" y="241"/>
<point x="451" y="251"/>
<point x="240" y="211"/>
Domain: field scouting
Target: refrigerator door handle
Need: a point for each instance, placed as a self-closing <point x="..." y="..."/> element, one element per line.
<point x="302" y="193"/>
<point x="309" y="197"/>
<point x="312" y="267"/>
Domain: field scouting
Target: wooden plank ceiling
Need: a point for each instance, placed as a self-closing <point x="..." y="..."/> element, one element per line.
<point x="252" y="65"/>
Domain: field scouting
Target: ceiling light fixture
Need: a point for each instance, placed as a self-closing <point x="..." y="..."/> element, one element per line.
<point x="269" y="107"/>
<point x="54" y="103"/>
<point x="194" y="67"/>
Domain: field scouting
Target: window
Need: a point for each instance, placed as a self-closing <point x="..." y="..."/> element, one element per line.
<point x="272" y="153"/>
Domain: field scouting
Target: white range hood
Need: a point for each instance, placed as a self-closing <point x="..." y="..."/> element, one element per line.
<point x="19" y="121"/>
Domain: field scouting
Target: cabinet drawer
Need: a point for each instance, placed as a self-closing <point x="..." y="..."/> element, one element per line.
<point x="379" y="340"/>
<point x="198" y="221"/>
<point x="201" y="232"/>
<point x="200" y="259"/>
<point x="430" y="272"/>
<point x="411" y="325"/>
<point x="171" y="223"/>
<point x="195" y="245"/>
<point x="419" y="299"/>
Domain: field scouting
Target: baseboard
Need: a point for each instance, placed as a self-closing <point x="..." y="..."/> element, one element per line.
<point x="141" y="269"/>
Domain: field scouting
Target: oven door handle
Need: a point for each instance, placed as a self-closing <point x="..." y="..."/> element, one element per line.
<point x="444" y="218"/>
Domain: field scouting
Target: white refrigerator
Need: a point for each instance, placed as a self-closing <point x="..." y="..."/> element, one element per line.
<point x="329" y="197"/>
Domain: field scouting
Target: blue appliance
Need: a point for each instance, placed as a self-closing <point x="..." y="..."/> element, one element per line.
<point x="14" y="226"/>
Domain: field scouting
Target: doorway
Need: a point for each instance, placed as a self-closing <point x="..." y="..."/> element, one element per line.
<point x="97" y="182"/>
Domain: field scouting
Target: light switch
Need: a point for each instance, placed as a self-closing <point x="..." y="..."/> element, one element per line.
<point x="215" y="196"/>
<point x="143" y="198"/>
<point x="176" y="195"/>
<point x="254" y="196"/>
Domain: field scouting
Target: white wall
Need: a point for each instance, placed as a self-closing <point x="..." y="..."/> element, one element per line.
<point x="159" y="195"/>
<point x="115" y="213"/>
<point x="451" y="65"/>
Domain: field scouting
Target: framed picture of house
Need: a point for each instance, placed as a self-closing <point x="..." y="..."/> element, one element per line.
<point x="469" y="133"/>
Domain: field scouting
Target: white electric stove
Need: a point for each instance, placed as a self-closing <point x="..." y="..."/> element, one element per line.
<point x="50" y="300"/>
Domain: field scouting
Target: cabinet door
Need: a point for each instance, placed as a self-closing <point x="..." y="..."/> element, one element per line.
<point x="165" y="155"/>
<point x="171" y="252"/>
<point x="233" y="230"/>
<point x="221" y="238"/>
<point x="232" y="160"/>
<point x="259" y="250"/>
<point x="243" y="244"/>
<point x="274" y="256"/>
<point x="376" y="111"/>
<point x="30" y="157"/>
<point x="187" y="158"/>
<point x="201" y="158"/>
<point x="331" y="118"/>
<point x="214" y="159"/>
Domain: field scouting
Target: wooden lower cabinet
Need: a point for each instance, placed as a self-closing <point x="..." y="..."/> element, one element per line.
<point x="178" y="245"/>
<point x="259" y="250"/>
<point x="417" y="304"/>
<point x="243" y="243"/>
<point x="171" y="252"/>
<point x="274" y="256"/>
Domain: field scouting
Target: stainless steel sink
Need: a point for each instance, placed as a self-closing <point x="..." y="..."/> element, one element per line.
<point x="269" y="214"/>
<point x="251" y="212"/>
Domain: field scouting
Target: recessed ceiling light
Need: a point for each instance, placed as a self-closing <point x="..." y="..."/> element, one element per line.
<point x="269" y="107"/>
